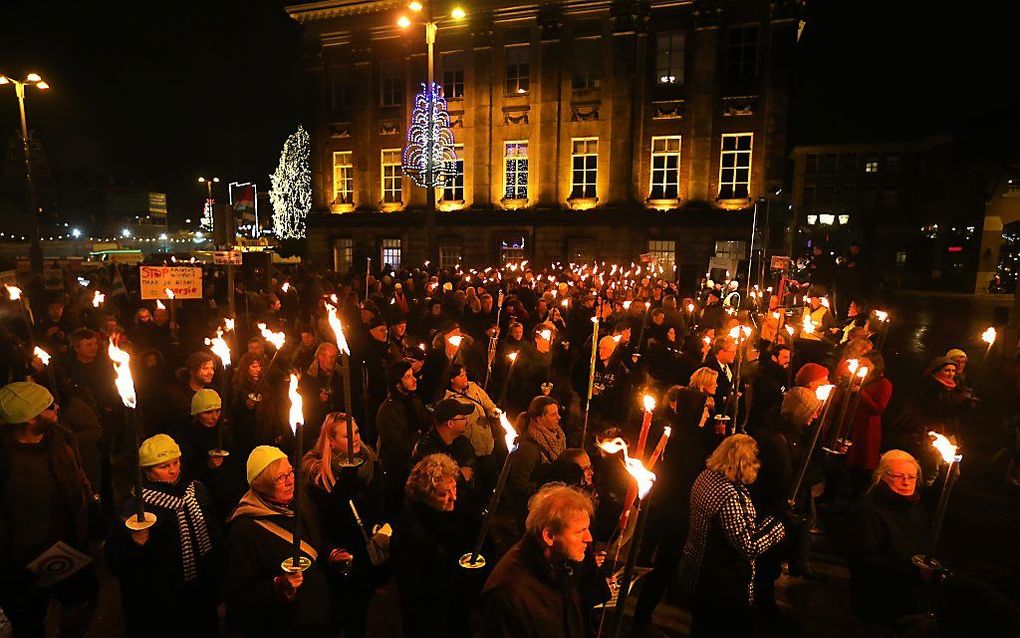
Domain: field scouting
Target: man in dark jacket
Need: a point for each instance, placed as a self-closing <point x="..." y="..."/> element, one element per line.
<point x="720" y="359"/>
<point x="769" y="386"/>
<point x="447" y="437"/>
<point x="375" y="355"/>
<point x="44" y="500"/>
<point x="533" y="590"/>
<point x="401" y="419"/>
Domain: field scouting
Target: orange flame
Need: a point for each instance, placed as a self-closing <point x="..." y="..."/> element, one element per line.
<point x="946" y="449"/>
<point x="275" y="338"/>
<point x="125" y="384"/>
<point x="455" y="340"/>
<point x="649" y="402"/>
<point x="297" y="416"/>
<point x="169" y="293"/>
<point x="97" y="299"/>
<point x="690" y="307"/>
<point x="823" y="392"/>
<point x="285" y="287"/>
<point x="807" y="325"/>
<point x="546" y="335"/>
<point x="789" y="329"/>
<point x="862" y="372"/>
<point x="219" y="347"/>
<point x="14" y="292"/>
<point x="228" y="324"/>
<point x="852" y="364"/>
<point x="509" y="434"/>
<point x="642" y="476"/>
<point x="882" y="315"/>
<point x="338" y="330"/>
<point x="988" y="336"/>
<point x="43" y="355"/>
<point x="626" y="305"/>
<point x="159" y="305"/>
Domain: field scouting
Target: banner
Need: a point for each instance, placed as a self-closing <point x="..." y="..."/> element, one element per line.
<point x="184" y="281"/>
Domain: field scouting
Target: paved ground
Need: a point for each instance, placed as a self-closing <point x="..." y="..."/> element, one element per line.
<point x="982" y="531"/>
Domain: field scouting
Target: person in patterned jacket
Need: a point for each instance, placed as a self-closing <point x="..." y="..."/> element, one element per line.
<point x="725" y="539"/>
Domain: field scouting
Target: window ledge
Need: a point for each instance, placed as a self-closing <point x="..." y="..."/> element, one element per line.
<point x="733" y="203"/>
<point x="391" y="207"/>
<point x="447" y="205"/>
<point x="341" y="207"/>
<point x="663" y="204"/>
<point x="513" y="204"/>
<point x="582" y="203"/>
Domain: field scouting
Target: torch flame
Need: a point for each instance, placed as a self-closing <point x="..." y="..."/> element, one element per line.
<point x="882" y="315"/>
<point x="228" y="324"/>
<point x="635" y="467"/>
<point x="789" y="329"/>
<point x="43" y="355"/>
<point x="775" y="315"/>
<point x="946" y="449"/>
<point x="667" y="431"/>
<point x="169" y="293"/>
<point x="97" y="299"/>
<point x="735" y="332"/>
<point x="333" y="298"/>
<point x="512" y="356"/>
<point x="275" y="338"/>
<point x="125" y="384"/>
<point x="823" y="392"/>
<point x="546" y="335"/>
<point x="690" y="307"/>
<point x="338" y="330"/>
<point x="746" y="330"/>
<point x="852" y="364"/>
<point x="509" y="434"/>
<point x="14" y="292"/>
<point x="159" y="305"/>
<point x="862" y="372"/>
<point x="706" y="340"/>
<point x="220" y="348"/>
<point x="649" y="402"/>
<point x="455" y="340"/>
<point x="297" y="416"/>
<point x="988" y="336"/>
<point x="807" y="326"/>
<point x="626" y="305"/>
<point x="285" y="287"/>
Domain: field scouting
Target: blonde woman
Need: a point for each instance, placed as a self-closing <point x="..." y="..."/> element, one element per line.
<point x="725" y="539"/>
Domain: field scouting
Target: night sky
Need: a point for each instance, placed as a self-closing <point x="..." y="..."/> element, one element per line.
<point x="157" y="93"/>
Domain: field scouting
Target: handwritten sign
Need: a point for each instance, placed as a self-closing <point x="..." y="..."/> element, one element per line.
<point x="223" y="257"/>
<point x="184" y="281"/>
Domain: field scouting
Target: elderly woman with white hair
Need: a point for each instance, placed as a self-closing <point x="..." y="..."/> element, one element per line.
<point x="725" y="538"/>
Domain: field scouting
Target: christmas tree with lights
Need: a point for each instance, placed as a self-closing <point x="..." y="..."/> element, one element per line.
<point x="429" y="158"/>
<point x="291" y="187"/>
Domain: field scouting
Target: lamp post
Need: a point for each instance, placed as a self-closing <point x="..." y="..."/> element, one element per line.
<point x="430" y="177"/>
<point x="35" y="253"/>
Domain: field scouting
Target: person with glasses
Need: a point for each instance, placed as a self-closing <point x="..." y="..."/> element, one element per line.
<point x="447" y="437"/>
<point x="261" y="599"/>
<point x="44" y="500"/>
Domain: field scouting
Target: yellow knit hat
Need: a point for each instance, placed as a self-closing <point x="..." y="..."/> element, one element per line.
<point x="205" y="400"/>
<point x="158" y="449"/>
<point x="260" y="458"/>
<point x="22" y="401"/>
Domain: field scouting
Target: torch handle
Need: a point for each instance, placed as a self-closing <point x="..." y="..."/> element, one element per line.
<point x="791" y="498"/>
<point x="296" y="505"/>
<point x="345" y="371"/>
<point x="132" y="420"/>
<point x="940" y="511"/>
<point x="628" y="571"/>
<point x="497" y="491"/>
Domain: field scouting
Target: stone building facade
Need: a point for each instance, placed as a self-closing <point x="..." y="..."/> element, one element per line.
<point x="594" y="129"/>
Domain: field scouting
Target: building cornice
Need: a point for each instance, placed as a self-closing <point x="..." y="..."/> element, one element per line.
<point x="328" y="9"/>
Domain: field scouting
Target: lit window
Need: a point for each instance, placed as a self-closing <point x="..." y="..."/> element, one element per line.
<point x="518" y="63"/>
<point x="453" y="76"/>
<point x="390" y="253"/>
<point x="453" y="190"/>
<point x="584" y="159"/>
<point x="587" y="61"/>
<point x="391" y="84"/>
<point x="450" y="256"/>
<point x="742" y="53"/>
<point x="391" y="179"/>
<point x="669" y="58"/>
<point x="343" y="177"/>
<point x="665" y="168"/>
<point x="343" y="255"/>
<point x="871" y="165"/>
<point x="511" y="252"/>
<point x="515" y="162"/>
<point x="735" y="165"/>
<point x="901" y="258"/>
<point x="663" y="252"/>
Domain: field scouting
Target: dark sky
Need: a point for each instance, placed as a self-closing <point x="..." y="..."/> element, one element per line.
<point x="161" y="92"/>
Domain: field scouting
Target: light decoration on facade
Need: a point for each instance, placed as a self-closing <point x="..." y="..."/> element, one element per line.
<point x="291" y="187"/>
<point x="429" y="157"/>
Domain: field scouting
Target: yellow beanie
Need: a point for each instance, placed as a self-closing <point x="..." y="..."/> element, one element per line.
<point x="205" y="400"/>
<point x="260" y="458"/>
<point x="158" y="449"/>
<point x="22" y="401"/>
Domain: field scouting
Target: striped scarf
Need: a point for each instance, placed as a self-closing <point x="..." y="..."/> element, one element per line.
<point x="190" y="524"/>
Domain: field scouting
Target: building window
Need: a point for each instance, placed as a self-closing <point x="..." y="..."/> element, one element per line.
<point x="453" y="190"/>
<point x="827" y="196"/>
<point x="390" y="253"/>
<point x="515" y="163"/>
<point x="871" y="165"/>
<point x="828" y="163"/>
<point x="450" y="256"/>
<point x="730" y="249"/>
<point x="511" y="252"/>
<point x="453" y="76"/>
<point x="811" y="164"/>
<point x="518" y="63"/>
<point x="848" y="163"/>
<point x="665" y="168"/>
<point x="669" y="58"/>
<point x="892" y="162"/>
<point x="664" y="254"/>
<point x="587" y="64"/>
<point x="584" y="159"/>
<point x="742" y="53"/>
<point x="343" y="177"/>
<point x="391" y="85"/>
<point x="581" y="250"/>
<point x="392" y="182"/>
<point x="339" y="91"/>
<point x="735" y="165"/>
<point x="809" y="195"/>
<point x="901" y="258"/>
<point x="848" y="194"/>
<point x="343" y="255"/>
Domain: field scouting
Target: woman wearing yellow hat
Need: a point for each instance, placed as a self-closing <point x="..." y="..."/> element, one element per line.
<point x="169" y="572"/>
<point x="263" y="600"/>
<point x="200" y="442"/>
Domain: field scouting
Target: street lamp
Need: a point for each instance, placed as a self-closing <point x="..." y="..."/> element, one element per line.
<point x="35" y="250"/>
<point x="431" y="26"/>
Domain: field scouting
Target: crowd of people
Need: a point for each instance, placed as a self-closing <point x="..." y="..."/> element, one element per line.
<point x="403" y="445"/>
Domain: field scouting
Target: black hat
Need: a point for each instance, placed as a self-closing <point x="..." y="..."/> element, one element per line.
<point x="375" y="322"/>
<point x="396" y="371"/>
<point x="446" y="409"/>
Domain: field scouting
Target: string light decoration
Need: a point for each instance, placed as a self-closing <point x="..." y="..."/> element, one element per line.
<point x="429" y="158"/>
<point x="291" y="187"/>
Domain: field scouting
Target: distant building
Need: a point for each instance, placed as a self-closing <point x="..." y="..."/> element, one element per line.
<point x="584" y="130"/>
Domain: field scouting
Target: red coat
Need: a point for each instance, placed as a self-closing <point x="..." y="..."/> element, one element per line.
<point x="866" y="429"/>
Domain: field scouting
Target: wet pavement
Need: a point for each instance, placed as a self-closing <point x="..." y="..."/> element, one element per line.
<point x="981" y="536"/>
